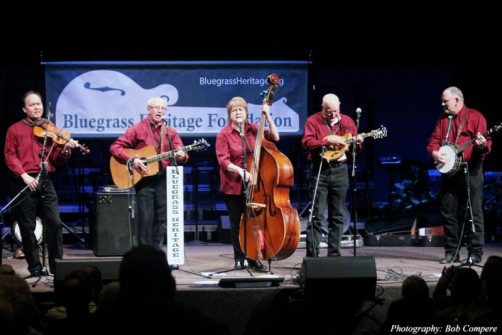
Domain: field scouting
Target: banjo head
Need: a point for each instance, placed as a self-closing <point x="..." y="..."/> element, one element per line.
<point x="452" y="160"/>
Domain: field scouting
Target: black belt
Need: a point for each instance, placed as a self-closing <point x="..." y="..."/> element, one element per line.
<point x="336" y="163"/>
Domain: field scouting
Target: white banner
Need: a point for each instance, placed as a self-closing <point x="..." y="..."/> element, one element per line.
<point x="175" y="220"/>
<point x="103" y="99"/>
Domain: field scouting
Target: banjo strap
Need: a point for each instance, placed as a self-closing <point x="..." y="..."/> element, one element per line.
<point x="462" y="122"/>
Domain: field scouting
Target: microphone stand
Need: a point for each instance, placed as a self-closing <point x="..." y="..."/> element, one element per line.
<point x="468" y="216"/>
<point x="354" y="181"/>
<point x="244" y="193"/>
<point x="44" y="170"/>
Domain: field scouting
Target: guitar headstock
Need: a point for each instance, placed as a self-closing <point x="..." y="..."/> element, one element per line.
<point x="200" y="144"/>
<point x="378" y="133"/>
<point x="494" y="129"/>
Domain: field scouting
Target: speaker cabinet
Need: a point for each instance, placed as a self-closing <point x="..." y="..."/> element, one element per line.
<point x="113" y="227"/>
<point x="339" y="278"/>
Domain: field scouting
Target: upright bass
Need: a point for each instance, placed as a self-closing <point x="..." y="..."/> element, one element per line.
<point x="270" y="226"/>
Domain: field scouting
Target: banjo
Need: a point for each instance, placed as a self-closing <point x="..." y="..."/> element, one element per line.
<point x="453" y="153"/>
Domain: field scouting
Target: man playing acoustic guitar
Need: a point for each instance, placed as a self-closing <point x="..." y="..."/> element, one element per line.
<point x="151" y="190"/>
<point x="456" y="126"/>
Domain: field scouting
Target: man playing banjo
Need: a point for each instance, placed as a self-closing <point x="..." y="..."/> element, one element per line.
<point x="456" y="127"/>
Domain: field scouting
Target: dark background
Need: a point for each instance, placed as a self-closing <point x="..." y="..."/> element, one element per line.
<point x="391" y="62"/>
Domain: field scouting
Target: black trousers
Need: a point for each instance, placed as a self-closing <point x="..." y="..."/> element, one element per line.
<point x="453" y="201"/>
<point x="236" y="205"/>
<point x="43" y="203"/>
<point x="331" y="194"/>
<point x="152" y="205"/>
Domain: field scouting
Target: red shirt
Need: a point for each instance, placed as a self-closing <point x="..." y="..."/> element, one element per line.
<point x="229" y="150"/>
<point x="316" y="130"/>
<point x="143" y="133"/>
<point x="22" y="150"/>
<point x="474" y="122"/>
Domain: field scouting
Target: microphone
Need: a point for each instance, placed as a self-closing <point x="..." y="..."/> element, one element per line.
<point x="239" y="124"/>
<point x="358" y="111"/>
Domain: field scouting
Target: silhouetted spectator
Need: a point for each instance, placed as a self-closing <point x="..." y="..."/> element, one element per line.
<point x="7" y="269"/>
<point x="147" y="298"/>
<point x="414" y="308"/>
<point x="77" y="295"/>
<point x="463" y="306"/>
<point x="97" y="282"/>
<point x="491" y="279"/>
<point x="16" y="292"/>
<point x="108" y="311"/>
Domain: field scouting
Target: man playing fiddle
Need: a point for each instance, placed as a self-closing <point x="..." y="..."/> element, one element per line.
<point x="32" y="177"/>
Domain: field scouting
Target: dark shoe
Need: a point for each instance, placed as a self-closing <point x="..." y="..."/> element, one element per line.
<point x="449" y="258"/>
<point x="241" y="264"/>
<point x="474" y="259"/>
<point x="174" y="267"/>
<point x="36" y="273"/>
<point x="255" y="264"/>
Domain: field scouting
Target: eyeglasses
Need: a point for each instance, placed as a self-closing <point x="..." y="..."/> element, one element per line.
<point x="158" y="107"/>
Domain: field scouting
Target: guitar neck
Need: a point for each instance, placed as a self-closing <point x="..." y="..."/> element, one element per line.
<point x="167" y="154"/>
<point x="468" y="144"/>
<point x="350" y="140"/>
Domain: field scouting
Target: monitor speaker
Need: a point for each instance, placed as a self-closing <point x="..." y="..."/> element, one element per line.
<point x="340" y="278"/>
<point x="112" y="231"/>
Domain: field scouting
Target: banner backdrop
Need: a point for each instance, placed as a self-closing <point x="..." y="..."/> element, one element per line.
<point x="102" y="99"/>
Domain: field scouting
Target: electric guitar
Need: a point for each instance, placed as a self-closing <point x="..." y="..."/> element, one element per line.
<point x="124" y="174"/>
<point x="336" y="151"/>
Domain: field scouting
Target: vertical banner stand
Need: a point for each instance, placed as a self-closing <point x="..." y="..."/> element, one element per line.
<point x="175" y="221"/>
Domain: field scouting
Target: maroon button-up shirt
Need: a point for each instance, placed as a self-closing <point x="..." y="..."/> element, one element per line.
<point x="316" y="131"/>
<point x="474" y="122"/>
<point x="22" y="150"/>
<point x="229" y="150"/>
<point x="139" y="136"/>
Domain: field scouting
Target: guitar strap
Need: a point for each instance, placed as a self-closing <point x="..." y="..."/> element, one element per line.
<point x="462" y="122"/>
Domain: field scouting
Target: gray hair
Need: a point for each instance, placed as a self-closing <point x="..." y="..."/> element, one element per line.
<point x="455" y="91"/>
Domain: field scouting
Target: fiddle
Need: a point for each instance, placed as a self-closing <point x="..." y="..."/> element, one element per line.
<point x="43" y="127"/>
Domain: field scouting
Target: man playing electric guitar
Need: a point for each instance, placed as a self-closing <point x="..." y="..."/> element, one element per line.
<point x="458" y="125"/>
<point x="150" y="191"/>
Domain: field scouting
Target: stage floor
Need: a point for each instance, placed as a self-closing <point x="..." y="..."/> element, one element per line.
<point x="197" y="280"/>
<point x="204" y="259"/>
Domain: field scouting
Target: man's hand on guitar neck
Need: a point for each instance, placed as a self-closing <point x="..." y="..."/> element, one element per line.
<point x="336" y="140"/>
<point x="480" y="142"/>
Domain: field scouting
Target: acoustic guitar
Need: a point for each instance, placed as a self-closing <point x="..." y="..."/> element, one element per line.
<point x="336" y="151"/>
<point x="124" y="174"/>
